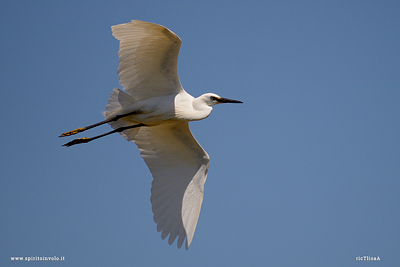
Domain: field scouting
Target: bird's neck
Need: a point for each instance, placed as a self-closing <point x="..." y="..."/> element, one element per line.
<point x="188" y="108"/>
<point x="200" y="109"/>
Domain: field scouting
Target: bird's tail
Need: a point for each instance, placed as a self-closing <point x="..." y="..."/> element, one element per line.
<point x="116" y="103"/>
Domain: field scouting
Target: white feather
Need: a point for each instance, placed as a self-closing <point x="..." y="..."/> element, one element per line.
<point x="179" y="166"/>
<point x="148" y="59"/>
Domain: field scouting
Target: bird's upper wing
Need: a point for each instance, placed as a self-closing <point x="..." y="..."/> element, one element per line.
<point x="179" y="166"/>
<point x="148" y="59"/>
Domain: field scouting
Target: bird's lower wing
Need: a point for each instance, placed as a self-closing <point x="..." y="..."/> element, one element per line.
<point x="179" y="166"/>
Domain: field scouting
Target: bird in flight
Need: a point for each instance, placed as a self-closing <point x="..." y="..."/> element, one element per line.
<point x="153" y="110"/>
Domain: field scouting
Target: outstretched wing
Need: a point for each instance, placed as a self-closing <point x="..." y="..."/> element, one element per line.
<point x="148" y="59"/>
<point x="179" y="166"/>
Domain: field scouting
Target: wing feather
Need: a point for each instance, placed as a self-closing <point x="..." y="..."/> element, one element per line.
<point x="179" y="166"/>
<point x="148" y="59"/>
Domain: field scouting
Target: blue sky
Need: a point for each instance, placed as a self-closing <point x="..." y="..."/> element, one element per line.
<point x="304" y="173"/>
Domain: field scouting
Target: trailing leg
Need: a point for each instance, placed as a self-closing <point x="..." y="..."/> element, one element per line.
<point x="79" y="130"/>
<point x="88" y="139"/>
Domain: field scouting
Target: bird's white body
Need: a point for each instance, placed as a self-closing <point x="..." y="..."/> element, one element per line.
<point x="154" y="111"/>
<point x="161" y="109"/>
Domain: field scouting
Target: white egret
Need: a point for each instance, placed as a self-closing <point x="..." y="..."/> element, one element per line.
<point x="153" y="111"/>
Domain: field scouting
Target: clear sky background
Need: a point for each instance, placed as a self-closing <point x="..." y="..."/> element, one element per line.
<point x="304" y="173"/>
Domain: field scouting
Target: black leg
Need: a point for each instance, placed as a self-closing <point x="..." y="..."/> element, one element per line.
<point x="79" y="130"/>
<point x="88" y="139"/>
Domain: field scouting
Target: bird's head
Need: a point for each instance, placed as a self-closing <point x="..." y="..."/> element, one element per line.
<point x="213" y="99"/>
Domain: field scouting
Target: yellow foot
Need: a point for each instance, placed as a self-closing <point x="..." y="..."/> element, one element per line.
<point x="73" y="132"/>
<point x="78" y="141"/>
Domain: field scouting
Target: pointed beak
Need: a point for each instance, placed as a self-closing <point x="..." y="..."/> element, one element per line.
<point x="226" y="100"/>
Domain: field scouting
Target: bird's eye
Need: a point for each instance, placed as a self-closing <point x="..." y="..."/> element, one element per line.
<point x="213" y="98"/>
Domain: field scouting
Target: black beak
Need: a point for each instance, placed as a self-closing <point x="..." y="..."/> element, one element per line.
<point x="226" y="100"/>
